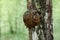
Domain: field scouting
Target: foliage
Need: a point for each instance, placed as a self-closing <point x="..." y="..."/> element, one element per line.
<point x="56" y="19"/>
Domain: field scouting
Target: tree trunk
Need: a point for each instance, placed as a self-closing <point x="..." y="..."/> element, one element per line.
<point x="44" y="31"/>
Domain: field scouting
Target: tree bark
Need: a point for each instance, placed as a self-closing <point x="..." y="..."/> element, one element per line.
<point x="44" y="31"/>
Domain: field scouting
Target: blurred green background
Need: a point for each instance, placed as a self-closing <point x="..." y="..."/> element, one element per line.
<point x="11" y="16"/>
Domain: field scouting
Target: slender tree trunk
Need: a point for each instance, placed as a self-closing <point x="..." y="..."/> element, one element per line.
<point x="30" y="34"/>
